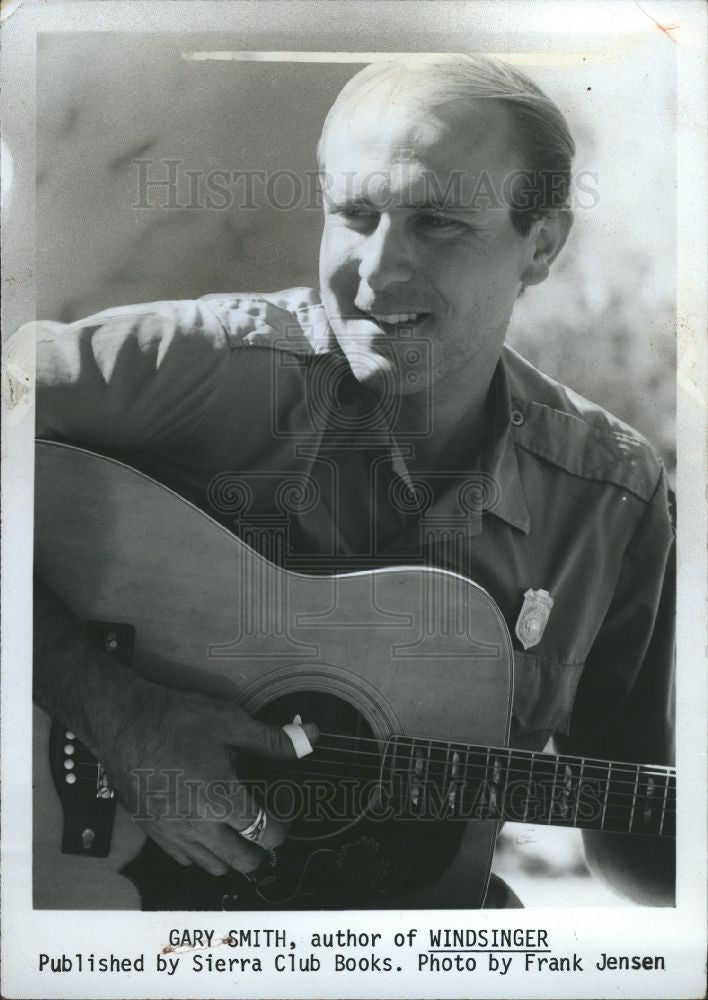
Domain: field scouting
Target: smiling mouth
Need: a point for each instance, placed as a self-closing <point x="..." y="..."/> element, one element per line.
<point x="394" y="322"/>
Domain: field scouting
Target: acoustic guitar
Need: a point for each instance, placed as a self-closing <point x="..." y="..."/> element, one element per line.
<point x="407" y="671"/>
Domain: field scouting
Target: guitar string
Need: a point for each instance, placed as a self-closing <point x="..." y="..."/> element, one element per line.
<point x="550" y="815"/>
<point x="535" y="760"/>
<point x="469" y="779"/>
<point x="433" y="769"/>
<point x="666" y="811"/>
<point x="532" y="756"/>
<point x="510" y="756"/>
<point x="445" y="746"/>
<point x="612" y="801"/>
<point x="538" y="763"/>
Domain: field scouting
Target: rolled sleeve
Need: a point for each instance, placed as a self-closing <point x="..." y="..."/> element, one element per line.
<point x="135" y="377"/>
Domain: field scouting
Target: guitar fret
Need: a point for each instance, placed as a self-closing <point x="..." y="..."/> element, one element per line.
<point x="529" y="786"/>
<point x="394" y="742"/>
<point x="413" y="776"/>
<point x="426" y="778"/>
<point x="496" y="781"/>
<point x="619" y="812"/>
<point x="462" y="784"/>
<point x="663" y="804"/>
<point x="496" y="778"/>
<point x="650" y="819"/>
<point x="607" y="795"/>
<point x="451" y="782"/>
<point x="483" y="809"/>
<point x="579" y="791"/>
<point x="547" y="768"/>
<point x="634" y="797"/>
<point x="566" y="793"/>
<point x="470" y="783"/>
<point x="554" y="784"/>
<point x="502" y="808"/>
<point x="405" y="752"/>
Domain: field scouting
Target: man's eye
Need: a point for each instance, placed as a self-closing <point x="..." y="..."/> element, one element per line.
<point x="358" y="212"/>
<point x="357" y="216"/>
<point x="434" y="220"/>
<point x="353" y="211"/>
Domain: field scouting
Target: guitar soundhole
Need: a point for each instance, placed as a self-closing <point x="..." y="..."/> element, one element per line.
<point x="330" y="789"/>
<point x="351" y="843"/>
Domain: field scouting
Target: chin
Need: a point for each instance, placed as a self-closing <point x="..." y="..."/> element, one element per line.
<point x="388" y="367"/>
<point x="383" y="375"/>
<point x="372" y="371"/>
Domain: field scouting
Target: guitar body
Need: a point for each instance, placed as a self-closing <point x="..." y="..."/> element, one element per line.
<point x="392" y="652"/>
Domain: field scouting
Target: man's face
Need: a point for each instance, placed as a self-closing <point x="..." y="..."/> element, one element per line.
<point x="402" y="260"/>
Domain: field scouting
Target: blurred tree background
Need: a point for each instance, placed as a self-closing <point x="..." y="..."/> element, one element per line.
<point x="619" y="352"/>
<point x="605" y="322"/>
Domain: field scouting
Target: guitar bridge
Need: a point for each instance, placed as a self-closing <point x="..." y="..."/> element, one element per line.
<point x="87" y="798"/>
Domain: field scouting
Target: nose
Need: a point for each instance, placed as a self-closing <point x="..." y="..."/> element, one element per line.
<point x="385" y="259"/>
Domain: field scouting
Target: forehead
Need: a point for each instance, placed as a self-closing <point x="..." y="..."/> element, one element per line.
<point x="385" y="144"/>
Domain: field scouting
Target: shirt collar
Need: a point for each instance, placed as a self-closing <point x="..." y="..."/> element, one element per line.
<point x="494" y="475"/>
<point x="505" y="495"/>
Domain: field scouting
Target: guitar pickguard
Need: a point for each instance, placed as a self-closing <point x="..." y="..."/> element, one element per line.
<point x="369" y="865"/>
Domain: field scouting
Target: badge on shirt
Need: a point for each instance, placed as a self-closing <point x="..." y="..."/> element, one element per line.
<point x="532" y="621"/>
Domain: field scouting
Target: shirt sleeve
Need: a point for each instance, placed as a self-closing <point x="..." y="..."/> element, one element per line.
<point x="134" y="377"/>
<point x="624" y="706"/>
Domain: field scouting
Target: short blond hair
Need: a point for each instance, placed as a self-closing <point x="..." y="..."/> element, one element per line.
<point x="541" y="136"/>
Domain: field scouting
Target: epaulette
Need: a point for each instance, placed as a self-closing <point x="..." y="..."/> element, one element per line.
<point x="557" y="424"/>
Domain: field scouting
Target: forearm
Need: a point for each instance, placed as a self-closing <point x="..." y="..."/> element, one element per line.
<point x="74" y="681"/>
<point x="131" y="723"/>
<point x="641" y="868"/>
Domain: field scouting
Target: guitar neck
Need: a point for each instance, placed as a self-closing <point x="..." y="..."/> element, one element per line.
<point x="475" y="782"/>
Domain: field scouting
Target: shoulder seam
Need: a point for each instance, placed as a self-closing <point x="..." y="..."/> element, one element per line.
<point x="539" y="452"/>
<point x="640" y="480"/>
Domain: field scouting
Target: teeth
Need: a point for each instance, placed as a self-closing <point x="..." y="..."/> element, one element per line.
<point x="397" y="318"/>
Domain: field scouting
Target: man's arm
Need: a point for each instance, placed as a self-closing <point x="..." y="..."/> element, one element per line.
<point x="134" y="378"/>
<point x="624" y="707"/>
<point x="129" y="723"/>
<point x="138" y="380"/>
<point x="640" y="868"/>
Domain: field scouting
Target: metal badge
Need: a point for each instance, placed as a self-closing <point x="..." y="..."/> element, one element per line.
<point x="533" y="618"/>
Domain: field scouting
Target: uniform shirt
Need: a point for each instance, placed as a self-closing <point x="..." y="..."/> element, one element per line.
<point x="244" y="405"/>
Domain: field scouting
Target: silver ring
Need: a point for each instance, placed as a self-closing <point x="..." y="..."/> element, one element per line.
<point x="255" y="831"/>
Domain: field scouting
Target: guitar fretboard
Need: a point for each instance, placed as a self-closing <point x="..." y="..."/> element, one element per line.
<point x="450" y="780"/>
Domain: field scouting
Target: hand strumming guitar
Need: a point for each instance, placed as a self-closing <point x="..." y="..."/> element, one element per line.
<point x="133" y="725"/>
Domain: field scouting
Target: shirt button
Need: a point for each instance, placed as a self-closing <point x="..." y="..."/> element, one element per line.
<point x="517" y="418"/>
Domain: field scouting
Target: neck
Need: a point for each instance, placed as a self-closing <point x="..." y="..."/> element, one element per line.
<point x="477" y="782"/>
<point x="444" y="425"/>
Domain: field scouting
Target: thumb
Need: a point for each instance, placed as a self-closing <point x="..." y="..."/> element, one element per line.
<point x="301" y="736"/>
<point x="274" y="741"/>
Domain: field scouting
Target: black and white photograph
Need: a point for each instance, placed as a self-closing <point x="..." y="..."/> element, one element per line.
<point x="354" y="549"/>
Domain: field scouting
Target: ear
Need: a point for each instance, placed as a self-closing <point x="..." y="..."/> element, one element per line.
<point x="551" y="232"/>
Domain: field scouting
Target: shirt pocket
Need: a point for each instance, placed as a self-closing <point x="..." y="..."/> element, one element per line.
<point x="544" y="692"/>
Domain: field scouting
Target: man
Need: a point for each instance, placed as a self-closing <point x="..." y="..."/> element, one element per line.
<point x="393" y="396"/>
